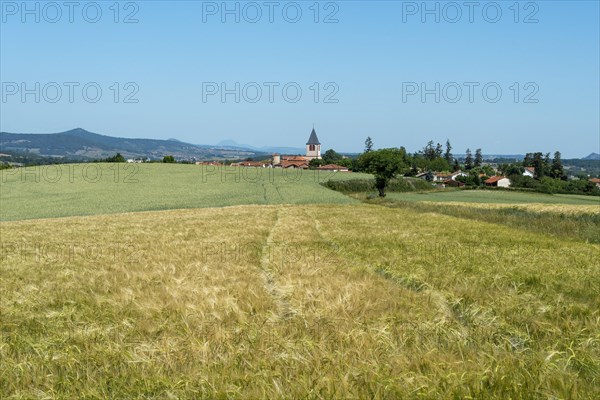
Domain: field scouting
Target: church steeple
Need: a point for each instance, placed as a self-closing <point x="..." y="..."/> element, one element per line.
<point x="313" y="139"/>
<point x="313" y="146"/>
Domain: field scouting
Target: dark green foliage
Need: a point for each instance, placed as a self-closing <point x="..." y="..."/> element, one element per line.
<point x="472" y="179"/>
<point x="478" y="158"/>
<point x="400" y="185"/>
<point x="448" y="154"/>
<point x="169" y="159"/>
<point x="368" y="144"/>
<point x="332" y="157"/>
<point x="469" y="160"/>
<point x="556" y="169"/>
<point x="115" y="159"/>
<point x="384" y="164"/>
<point x="315" y="163"/>
<point x="552" y="185"/>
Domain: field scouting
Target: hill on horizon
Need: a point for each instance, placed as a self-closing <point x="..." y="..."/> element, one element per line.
<point x="592" y="156"/>
<point x="228" y="143"/>
<point x="81" y="144"/>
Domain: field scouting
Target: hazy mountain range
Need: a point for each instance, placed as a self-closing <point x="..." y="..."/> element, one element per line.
<point x="79" y="144"/>
<point x="265" y="149"/>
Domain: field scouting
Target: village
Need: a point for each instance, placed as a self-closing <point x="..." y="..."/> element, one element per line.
<point x="490" y="175"/>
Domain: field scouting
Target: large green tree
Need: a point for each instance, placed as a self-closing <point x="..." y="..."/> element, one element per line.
<point x="478" y="158"/>
<point x="368" y="144"/>
<point x="384" y="164"/>
<point x="469" y="160"/>
<point x="557" y="170"/>
<point x="332" y="157"/>
<point x="448" y="153"/>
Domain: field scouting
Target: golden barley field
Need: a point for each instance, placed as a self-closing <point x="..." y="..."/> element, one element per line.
<point x="295" y="301"/>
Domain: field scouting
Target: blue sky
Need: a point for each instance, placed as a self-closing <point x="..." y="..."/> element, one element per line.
<point x="370" y="61"/>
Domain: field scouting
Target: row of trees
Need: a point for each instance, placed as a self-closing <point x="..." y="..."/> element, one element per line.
<point x="542" y="164"/>
<point x="550" y="177"/>
<point x="385" y="164"/>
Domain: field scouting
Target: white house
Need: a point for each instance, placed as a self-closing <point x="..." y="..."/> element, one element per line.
<point x="498" y="181"/>
<point x="529" y="171"/>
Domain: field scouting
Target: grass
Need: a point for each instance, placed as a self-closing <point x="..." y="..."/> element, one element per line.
<point x="495" y="196"/>
<point x="302" y="301"/>
<point x="91" y="189"/>
<point x="569" y="221"/>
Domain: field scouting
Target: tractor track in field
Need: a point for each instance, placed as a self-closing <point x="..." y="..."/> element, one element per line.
<point x="269" y="274"/>
<point x="436" y="297"/>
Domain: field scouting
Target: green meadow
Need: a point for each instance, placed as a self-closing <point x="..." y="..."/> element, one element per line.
<point x="105" y="188"/>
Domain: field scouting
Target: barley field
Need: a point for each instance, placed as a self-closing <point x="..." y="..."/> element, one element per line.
<point x="184" y="285"/>
<point x="295" y="301"/>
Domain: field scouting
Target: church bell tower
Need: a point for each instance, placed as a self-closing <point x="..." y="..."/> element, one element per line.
<point x="313" y="146"/>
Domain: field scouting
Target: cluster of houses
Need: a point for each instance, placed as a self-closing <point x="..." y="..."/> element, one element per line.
<point x="313" y="151"/>
<point x="449" y="179"/>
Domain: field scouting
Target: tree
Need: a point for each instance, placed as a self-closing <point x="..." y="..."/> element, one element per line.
<point x="478" y="158"/>
<point x="168" y="159"/>
<point x="539" y="164"/>
<point x="368" y="144"/>
<point x="116" y="158"/>
<point x="557" y="170"/>
<point x="331" y="157"/>
<point x="315" y="163"/>
<point x="439" y="164"/>
<point x="384" y="164"/>
<point x="513" y="169"/>
<point x="448" y="153"/>
<point x="429" y="151"/>
<point x="438" y="151"/>
<point x="456" y="166"/>
<point x="469" y="160"/>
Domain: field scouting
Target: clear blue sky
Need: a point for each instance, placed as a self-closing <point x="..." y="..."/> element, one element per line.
<point x="369" y="54"/>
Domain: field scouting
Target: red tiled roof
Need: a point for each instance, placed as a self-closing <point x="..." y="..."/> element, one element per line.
<point x="295" y="164"/>
<point x="332" y="167"/>
<point x="595" y="180"/>
<point x="494" y="179"/>
<point x="251" y="164"/>
<point x="294" y="158"/>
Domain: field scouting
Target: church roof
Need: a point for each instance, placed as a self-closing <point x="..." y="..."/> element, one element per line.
<point x="313" y="139"/>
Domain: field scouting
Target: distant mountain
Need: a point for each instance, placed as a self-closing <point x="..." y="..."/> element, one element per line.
<point x="593" y="156"/>
<point x="266" y="149"/>
<point x="81" y="144"/>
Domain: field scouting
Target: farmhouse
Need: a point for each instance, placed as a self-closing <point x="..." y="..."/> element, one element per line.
<point x="529" y="171"/>
<point x="498" y="181"/>
<point x="313" y="150"/>
<point x="596" y="181"/>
